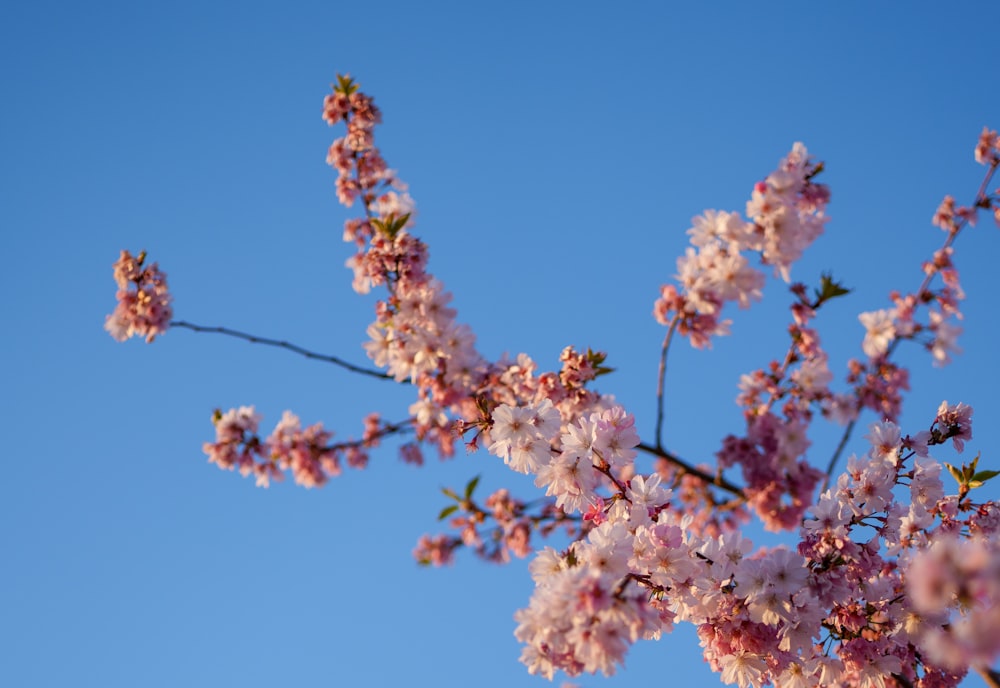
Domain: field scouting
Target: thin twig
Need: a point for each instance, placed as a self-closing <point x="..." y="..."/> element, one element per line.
<point x="403" y="427"/>
<point x="254" y="339"/>
<point x="836" y="454"/>
<point x="662" y="377"/>
<point x="991" y="676"/>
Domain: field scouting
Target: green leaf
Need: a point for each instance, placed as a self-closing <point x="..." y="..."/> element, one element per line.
<point x="345" y="85"/>
<point x="596" y="358"/>
<point x="447" y="511"/>
<point x="471" y="486"/>
<point x="955" y="473"/>
<point x="448" y="492"/>
<point x="829" y="289"/>
<point x="571" y="559"/>
<point x="983" y="476"/>
<point x="391" y="224"/>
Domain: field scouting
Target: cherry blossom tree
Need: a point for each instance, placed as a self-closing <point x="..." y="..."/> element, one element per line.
<point x="891" y="571"/>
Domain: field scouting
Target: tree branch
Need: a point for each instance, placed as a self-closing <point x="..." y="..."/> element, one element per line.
<point x="283" y="345"/>
<point x="836" y="454"/>
<point x="991" y="676"/>
<point x="662" y="377"/>
<point x="685" y="467"/>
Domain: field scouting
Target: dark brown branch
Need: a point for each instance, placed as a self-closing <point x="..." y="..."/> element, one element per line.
<point x="283" y="345"/>
<point x="687" y="468"/>
<point x="403" y="427"/>
<point x="991" y="676"/>
<point x="836" y="454"/>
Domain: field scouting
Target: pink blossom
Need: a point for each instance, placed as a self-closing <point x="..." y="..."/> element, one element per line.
<point x="437" y="551"/>
<point x="879" y="331"/>
<point x="744" y="669"/>
<point x="944" y="216"/>
<point x="955" y="422"/>
<point x="988" y="147"/>
<point x="945" y="338"/>
<point x="885" y="439"/>
<point x="143" y="308"/>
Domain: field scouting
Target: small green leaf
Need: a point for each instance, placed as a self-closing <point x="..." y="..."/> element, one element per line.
<point x="345" y="85"/>
<point x="571" y="559"/>
<point x="955" y="473"/>
<point x="471" y="486"/>
<point x="983" y="476"/>
<point x="448" y="492"/>
<point x="390" y="225"/>
<point x="447" y="511"/>
<point x="829" y="289"/>
<point x="968" y="470"/>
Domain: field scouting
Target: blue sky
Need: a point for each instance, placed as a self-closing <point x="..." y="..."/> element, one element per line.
<point x="556" y="151"/>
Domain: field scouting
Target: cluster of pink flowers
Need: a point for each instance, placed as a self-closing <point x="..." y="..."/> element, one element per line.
<point x="887" y="325"/>
<point x="356" y="150"/>
<point x="510" y="534"/>
<point x="779" y="481"/>
<point x="878" y="383"/>
<point x="954" y="586"/>
<point x="835" y="612"/>
<point x="893" y="582"/>
<point x="988" y="147"/>
<point x="787" y="212"/>
<point x="305" y="453"/>
<point x="143" y="308"/>
<point x="416" y="336"/>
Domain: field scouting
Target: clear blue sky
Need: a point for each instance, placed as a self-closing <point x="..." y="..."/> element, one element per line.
<point x="557" y="152"/>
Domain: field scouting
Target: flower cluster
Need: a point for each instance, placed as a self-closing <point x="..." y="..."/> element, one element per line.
<point x="416" y="336"/>
<point x="877" y="383"/>
<point x="356" y="150"/>
<point x="954" y="586"/>
<point x="939" y="331"/>
<point x="988" y="147"/>
<point x="495" y="532"/>
<point x="143" y="308"/>
<point x="892" y="583"/>
<point x="306" y="453"/>
<point x="787" y="212"/>
<point x="779" y="481"/>
<point x="837" y="611"/>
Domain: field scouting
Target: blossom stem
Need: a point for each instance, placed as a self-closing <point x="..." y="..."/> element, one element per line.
<point x="254" y="339"/>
